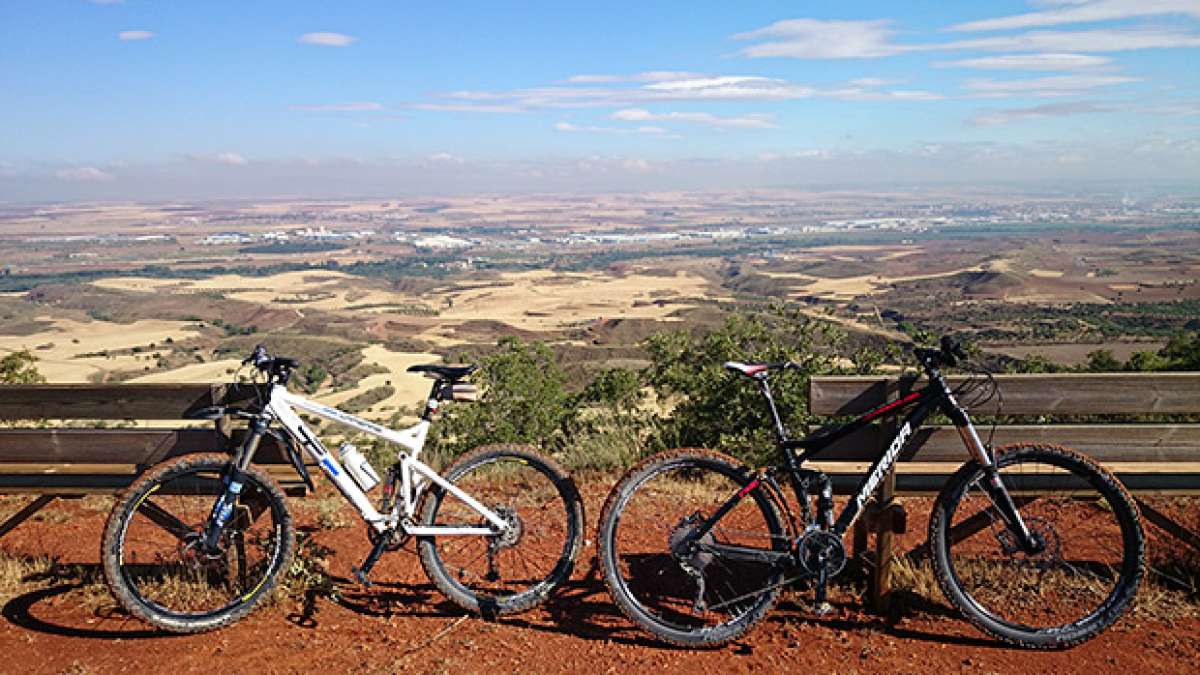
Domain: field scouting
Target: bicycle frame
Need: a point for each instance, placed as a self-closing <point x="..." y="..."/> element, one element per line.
<point x="415" y="475"/>
<point x="936" y="394"/>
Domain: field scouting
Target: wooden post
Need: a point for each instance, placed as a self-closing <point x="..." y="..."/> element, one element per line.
<point x="881" y="576"/>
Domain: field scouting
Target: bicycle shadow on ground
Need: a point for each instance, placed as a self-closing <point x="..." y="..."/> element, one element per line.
<point x="583" y="608"/>
<point x="22" y="611"/>
<point x="384" y="600"/>
<point x="852" y="617"/>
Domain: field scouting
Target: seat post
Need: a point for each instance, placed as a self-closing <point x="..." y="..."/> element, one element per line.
<point x="765" y="387"/>
<point x="431" y="402"/>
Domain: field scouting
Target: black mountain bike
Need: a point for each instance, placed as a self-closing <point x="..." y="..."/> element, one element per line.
<point x="1036" y="545"/>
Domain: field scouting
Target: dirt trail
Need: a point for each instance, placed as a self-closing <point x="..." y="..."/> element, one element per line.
<point x="404" y="625"/>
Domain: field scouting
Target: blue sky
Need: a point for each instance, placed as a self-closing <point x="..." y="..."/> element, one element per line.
<point x="155" y="99"/>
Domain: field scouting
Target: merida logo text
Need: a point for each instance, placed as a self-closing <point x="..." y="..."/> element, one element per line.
<point x="888" y="459"/>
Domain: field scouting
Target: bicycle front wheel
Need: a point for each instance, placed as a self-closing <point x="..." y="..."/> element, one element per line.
<point x="517" y="569"/>
<point x="1091" y="558"/>
<point x="715" y="590"/>
<point x="155" y="563"/>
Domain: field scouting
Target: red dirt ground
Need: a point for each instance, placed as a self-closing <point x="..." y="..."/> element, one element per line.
<point x="404" y="625"/>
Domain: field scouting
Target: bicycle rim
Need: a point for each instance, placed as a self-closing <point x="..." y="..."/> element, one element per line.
<point x="497" y="574"/>
<point x="1077" y="585"/>
<point x="162" y="563"/>
<point x="700" y="597"/>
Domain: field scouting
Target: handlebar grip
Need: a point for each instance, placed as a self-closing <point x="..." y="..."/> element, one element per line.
<point x="258" y="357"/>
<point x="952" y="352"/>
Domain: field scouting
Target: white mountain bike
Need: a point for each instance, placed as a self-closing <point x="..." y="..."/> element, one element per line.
<point x="196" y="543"/>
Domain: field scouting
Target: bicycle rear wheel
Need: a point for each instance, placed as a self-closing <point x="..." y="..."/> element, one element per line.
<point x="703" y="597"/>
<point x="1085" y="577"/>
<point x="515" y="570"/>
<point x="154" y="562"/>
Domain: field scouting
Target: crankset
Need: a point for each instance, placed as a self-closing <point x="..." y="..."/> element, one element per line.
<point x="396" y="538"/>
<point x="821" y="552"/>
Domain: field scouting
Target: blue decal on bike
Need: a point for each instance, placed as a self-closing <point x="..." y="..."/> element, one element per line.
<point x="329" y="466"/>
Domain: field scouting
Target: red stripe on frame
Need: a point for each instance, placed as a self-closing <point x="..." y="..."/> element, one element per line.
<point x="749" y="486"/>
<point x="892" y="406"/>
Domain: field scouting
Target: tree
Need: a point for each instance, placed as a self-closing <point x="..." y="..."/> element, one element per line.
<point x="1103" y="361"/>
<point x="1145" y="362"/>
<point x="522" y="401"/>
<point x="19" y="368"/>
<point x="715" y="408"/>
<point x="1182" y="352"/>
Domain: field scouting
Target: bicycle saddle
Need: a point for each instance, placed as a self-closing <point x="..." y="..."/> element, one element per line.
<point x="439" y="372"/>
<point x="747" y="369"/>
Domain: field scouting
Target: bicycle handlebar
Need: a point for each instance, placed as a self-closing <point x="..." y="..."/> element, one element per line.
<point x="277" y="366"/>
<point x="259" y="357"/>
<point x="949" y="353"/>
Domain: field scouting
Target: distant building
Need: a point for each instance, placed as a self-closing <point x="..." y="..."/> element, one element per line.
<point x="441" y="242"/>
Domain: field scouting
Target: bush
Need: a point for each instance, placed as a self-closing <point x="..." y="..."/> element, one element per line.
<point x="19" y="368"/>
<point x="715" y="408"/>
<point x="523" y="401"/>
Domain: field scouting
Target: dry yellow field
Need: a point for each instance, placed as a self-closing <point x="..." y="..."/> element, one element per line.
<point x="203" y="373"/>
<point x="1046" y="274"/>
<point x="849" y="288"/>
<point x="544" y="300"/>
<point x="320" y="290"/>
<point x="58" y="348"/>
<point x="410" y="388"/>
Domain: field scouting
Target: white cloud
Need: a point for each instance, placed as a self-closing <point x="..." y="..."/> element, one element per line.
<point x="809" y="153"/>
<point x="752" y="121"/>
<point x="1055" y="85"/>
<point x="327" y="39"/>
<point x="817" y="39"/>
<point x="730" y="87"/>
<point x="853" y="93"/>
<point x="469" y="107"/>
<point x="647" y="76"/>
<point x="230" y="158"/>
<point x="575" y="128"/>
<point x="84" y="174"/>
<point x="1086" y="12"/>
<point x="133" y="35"/>
<point x="873" y="82"/>
<point x="996" y="117"/>
<point x="1061" y="61"/>
<point x="1101" y="40"/>
<point x="637" y="166"/>
<point x="339" y="107"/>
<point x="656" y="87"/>
<point x="445" y="157"/>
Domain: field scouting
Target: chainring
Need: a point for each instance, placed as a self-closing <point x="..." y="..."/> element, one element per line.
<point x="397" y="538"/>
<point x="821" y="551"/>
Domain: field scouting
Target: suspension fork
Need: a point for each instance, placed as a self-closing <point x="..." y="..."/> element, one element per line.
<point x="233" y="481"/>
<point x="992" y="483"/>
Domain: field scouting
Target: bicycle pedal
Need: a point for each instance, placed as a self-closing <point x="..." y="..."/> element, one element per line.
<point x="361" y="576"/>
